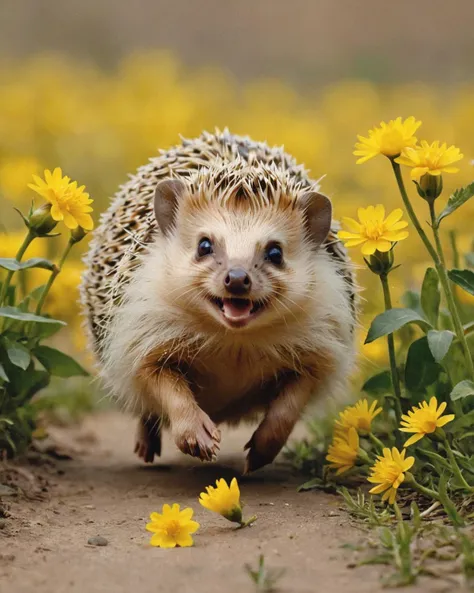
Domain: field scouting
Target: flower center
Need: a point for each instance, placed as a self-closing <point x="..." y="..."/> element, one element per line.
<point x="374" y="229"/>
<point x="392" y="143"/>
<point x="172" y="528"/>
<point x="429" y="426"/>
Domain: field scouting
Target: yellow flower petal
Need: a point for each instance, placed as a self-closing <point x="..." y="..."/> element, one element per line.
<point x="445" y="419"/>
<point x="369" y="247"/>
<point x="413" y="439"/>
<point x="394" y="217"/>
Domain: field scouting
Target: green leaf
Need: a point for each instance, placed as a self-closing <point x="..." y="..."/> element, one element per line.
<point x="463" y="278"/>
<point x="378" y="384"/>
<point x="460" y="424"/>
<point x="3" y="374"/>
<point x="430" y="296"/>
<point x="439" y="343"/>
<point x="447" y="503"/>
<point x="18" y="354"/>
<point x="310" y="485"/>
<point x="58" y="363"/>
<point x="462" y="390"/>
<point x="10" y="263"/>
<point x="421" y="370"/>
<point x="393" y="319"/>
<point x="457" y="199"/>
<point x="37" y="292"/>
<point x="435" y="457"/>
<point x="411" y="300"/>
<point x="455" y="363"/>
<point x="15" y="313"/>
<point x="470" y="259"/>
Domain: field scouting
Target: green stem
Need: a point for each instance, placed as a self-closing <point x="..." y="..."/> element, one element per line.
<point x="21" y="252"/>
<point x="377" y="442"/>
<point x="439" y="264"/>
<point x="52" y="277"/>
<point x="454" y="247"/>
<point x="445" y="282"/>
<point x="247" y="523"/>
<point x="428" y="492"/>
<point x="391" y="352"/>
<point x="454" y="463"/>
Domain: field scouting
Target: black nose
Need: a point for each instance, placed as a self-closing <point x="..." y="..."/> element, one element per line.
<point x="237" y="281"/>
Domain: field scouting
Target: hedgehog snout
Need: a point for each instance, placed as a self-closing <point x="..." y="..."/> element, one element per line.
<point x="238" y="281"/>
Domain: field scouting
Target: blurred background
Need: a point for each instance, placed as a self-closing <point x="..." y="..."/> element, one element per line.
<point x="97" y="86"/>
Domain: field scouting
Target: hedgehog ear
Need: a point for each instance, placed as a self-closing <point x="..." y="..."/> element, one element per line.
<point x="318" y="211"/>
<point x="167" y="193"/>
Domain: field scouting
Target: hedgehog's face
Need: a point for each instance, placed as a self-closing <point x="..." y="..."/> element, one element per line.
<point x="242" y="267"/>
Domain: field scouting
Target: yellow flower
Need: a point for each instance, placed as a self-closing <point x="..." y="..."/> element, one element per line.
<point x="358" y="416"/>
<point x="424" y="420"/>
<point x="388" y="139"/>
<point x="388" y="473"/>
<point x="172" y="527"/>
<point x="430" y="158"/>
<point x="374" y="231"/>
<point x="344" y="450"/>
<point x="223" y="499"/>
<point x="68" y="202"/>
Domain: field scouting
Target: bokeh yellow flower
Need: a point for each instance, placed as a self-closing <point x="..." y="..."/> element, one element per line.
<point x="68" y="201"/>
<point x="433" y="158"/>
<point x="387" y="139"/>
<point x="358" y="416"/>
<point x="343" y="451"/>
<point x="373" y="232"/>
<point x="424" y="419"/>
<point x="172" y="527"/>
<point x="223" y="499"/>
<point x="388" y="473"/>
<point x="15" y="173"/>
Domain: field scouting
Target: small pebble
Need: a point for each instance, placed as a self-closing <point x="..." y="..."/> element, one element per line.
<point x="91" y="507"/>
<point x="3" y="523"/>
<point x="98" y="540"/>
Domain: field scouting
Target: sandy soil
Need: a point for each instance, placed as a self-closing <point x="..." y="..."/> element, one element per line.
<point x="106" y="491"/>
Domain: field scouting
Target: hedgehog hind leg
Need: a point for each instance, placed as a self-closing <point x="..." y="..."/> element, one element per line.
<point x="148" y="437"/>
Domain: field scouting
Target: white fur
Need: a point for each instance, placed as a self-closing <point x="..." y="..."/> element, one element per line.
<point x="231" y="362"/>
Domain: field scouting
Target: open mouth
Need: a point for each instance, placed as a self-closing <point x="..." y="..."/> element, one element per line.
<point x="237" y="312"/>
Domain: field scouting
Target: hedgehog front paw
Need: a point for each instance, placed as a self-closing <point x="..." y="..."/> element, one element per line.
<point x="198" y="436"/>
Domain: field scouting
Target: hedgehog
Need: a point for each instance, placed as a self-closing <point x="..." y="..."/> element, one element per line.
<point x="216" y="292"/>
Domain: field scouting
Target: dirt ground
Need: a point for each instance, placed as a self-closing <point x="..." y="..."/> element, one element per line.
<point x="104" y="490"/>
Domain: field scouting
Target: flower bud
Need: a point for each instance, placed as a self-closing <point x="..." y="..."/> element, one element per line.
<point x="234" y="515"/>
<point x="430" y="187"/>
<point x="41" y="221"/>
<point x="380" y="263"/>
<point x="78" y="234"/>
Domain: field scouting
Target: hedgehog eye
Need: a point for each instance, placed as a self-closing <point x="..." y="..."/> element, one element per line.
<point x="204" y="247"/>
<point x="274" y="254"/>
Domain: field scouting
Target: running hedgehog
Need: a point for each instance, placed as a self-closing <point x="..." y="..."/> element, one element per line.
<point x="216" y="291"/>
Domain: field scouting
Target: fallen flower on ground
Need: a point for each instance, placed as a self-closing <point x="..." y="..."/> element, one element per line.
<point x="172" y="527"/>
<point x="224" y="499"/>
